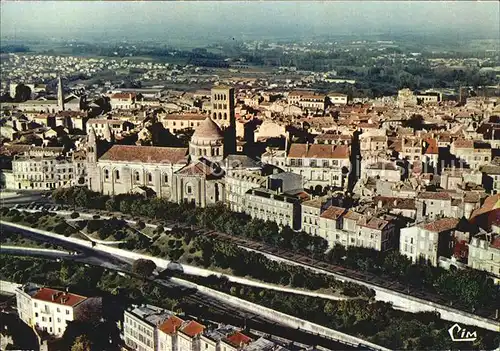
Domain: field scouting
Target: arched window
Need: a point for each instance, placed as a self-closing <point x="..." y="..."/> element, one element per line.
<point x="165" y="178"/>
<point x="150" y="177"/>
<point x="220" y="115"/>
<point x="215" y="115"/>
<point x="225" y="115"/>
<point x="137" y="176"/>
<point x="224" y="96"/>
<point x="117" y="174"/>
<point x="106" y="174"/>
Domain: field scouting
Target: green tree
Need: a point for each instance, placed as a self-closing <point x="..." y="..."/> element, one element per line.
<point x="82" y="343"/>
<point x="143" y="267"/>
<point x="23" y="93"/>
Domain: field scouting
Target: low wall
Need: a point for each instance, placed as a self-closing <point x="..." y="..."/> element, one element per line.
<point x="282" y="318"/>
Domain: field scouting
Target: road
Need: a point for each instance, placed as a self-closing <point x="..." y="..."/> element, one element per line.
<point x="196" y="303"/>
<point x="24" y="197"/>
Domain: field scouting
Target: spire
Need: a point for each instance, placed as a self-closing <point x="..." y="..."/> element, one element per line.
<point x="60" y="94"/>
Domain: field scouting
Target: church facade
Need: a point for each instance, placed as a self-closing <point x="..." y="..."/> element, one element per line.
<point x="178" y="174"/>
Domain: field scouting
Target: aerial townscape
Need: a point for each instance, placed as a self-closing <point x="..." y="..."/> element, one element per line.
<point x="275" y="177"/>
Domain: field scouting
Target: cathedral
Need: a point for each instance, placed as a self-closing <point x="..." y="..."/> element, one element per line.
<point x="179" y="174"/>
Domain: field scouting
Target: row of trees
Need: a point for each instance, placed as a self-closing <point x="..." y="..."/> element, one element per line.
<point x="475" y="291"/>
<point x="248" y="263"/>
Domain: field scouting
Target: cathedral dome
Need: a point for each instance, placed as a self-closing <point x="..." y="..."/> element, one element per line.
<point x="208" y="130"/>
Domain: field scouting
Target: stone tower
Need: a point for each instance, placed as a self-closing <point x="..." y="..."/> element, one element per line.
<point x="222" y="99"/>
<point x="60" y="94"/>
<point x="91" y="164"/>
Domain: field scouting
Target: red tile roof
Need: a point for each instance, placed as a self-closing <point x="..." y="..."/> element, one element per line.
<point x="171" y="325"/>
<point x="146" y="154"/>
<point x="374" y="223"/>
<point x="319" y="151"/>
<point x="198" y="168"/>
<point x="192" y="329"/>
<point x="394" y="202"/>
<point x="463" y="144"/>
<point x="491" y="203"/>
<point x="238" y="339"/>
<point x="441" y="225"/>
<point x="123" y="96"/>
<point x="333" y="212"/>
<point x="352" y="215"/>
<point x="59" y="297"/>
<point x="430" y="195"/>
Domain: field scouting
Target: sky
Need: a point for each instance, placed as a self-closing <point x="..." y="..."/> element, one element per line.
<point x="186" y="20"/>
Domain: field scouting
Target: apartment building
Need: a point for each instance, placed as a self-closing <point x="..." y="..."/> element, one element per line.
<point x="270" y="205"/>
<point x="411" y="149"/>
<point x="177" y="122"/>
<point x="321" y="165"/>
<point x="189" y="336"/>
<point x="375" y="233"/>
<point x="331" y="226"/>
<point x="374" y="146"/>
<point x="149" y="327"/>
<point x="24" y="295"/>
<point x="484" y="254"/>
<point x="338" y="99"/>
<point x="140" y="325"/>
<point x="435" y="204"/>
<point x="41" y="173"/>
<point x="310" y="214"/>
<point x="307" y="100"/>
<point x="122" y="101"/>
<point x="338" y="225"/>
<point x="428" y="241"/>
<point x="167" y="333"/>
<point x="473" y="153"/>
<point x="238" y="183"/>
<point x="50" y="309"/>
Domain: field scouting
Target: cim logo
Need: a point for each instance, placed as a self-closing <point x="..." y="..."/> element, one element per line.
<point x="457" y="333"/>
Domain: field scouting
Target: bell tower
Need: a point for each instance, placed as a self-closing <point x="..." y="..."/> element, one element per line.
<point x="222" y="113"/>
<point x="60" y="94"/>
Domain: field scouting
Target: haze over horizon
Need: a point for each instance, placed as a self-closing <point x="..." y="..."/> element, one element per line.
<point x="207" y="21"/>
